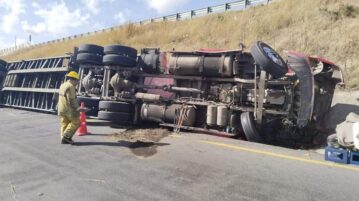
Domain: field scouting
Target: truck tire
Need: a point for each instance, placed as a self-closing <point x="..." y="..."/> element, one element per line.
<point x="121" y="50"/>
<point x="123" y="61"/>
<point x="304" y="92"/>
<point x="117" y="117"/>
<point x="90" y="48"/>
<point x="93" y="112"/>
<point x="89" y="102"/>
<point x="115" y="106"/>
<point x="88" y="58"/>
<point x="249" y="127"/>
<point x="269" y="60"/>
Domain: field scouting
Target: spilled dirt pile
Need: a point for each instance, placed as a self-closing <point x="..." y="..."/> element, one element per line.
<point x="142" y="142"/>
<point x="143" y="135"/>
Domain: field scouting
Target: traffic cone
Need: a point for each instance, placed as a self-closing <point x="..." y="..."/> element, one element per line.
<point x="83" y="128"/>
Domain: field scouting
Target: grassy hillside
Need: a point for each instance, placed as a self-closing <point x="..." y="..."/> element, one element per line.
<point x="329" y="28"/>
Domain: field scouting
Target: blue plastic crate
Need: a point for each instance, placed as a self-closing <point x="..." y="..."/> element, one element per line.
<point x="354" y="158"/>
<point x="337" y="155"/>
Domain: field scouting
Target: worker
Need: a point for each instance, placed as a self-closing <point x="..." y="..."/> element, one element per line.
<point x="68" y="108"/>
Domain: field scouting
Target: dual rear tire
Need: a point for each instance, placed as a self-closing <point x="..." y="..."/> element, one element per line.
<point x="119" y="55"/>
<point x="90" y="54"/>
<point x="117" y="112"/>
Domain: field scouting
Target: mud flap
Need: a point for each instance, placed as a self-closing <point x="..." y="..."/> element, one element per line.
<point x="306" y="88"/>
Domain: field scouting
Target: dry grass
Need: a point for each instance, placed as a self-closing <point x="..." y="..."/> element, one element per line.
<point x="328" y="28"/>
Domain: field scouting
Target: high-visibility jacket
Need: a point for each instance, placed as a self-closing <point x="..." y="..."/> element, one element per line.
<point x="68" y="104"/>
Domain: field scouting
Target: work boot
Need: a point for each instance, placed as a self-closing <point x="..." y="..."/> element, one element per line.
<point x="66" y="140"/>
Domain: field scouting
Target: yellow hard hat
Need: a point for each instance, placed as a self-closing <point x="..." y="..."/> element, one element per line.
<point x="73" y="74"/>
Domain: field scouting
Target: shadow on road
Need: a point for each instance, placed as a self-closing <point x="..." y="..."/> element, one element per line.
<point x="137" y="144"/>
<point x="139" y="148"/>
<point x="97" y="144"/>
<point x="339" y="112"/>
<point x="108" y="124"/>
<point x="91" y="123"/>
<point x="99" y="134"/>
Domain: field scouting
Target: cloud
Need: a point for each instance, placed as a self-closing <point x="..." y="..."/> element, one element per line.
<point x="22" y="42"/>
<point x="14" y="9"/>
<point x="35" y="5"/>
<point x="56" y="19"/>
<point x="5" y="44"/>
<point x="120" y="18"/>
<point x="163" y="6"/>
<point x="94" y="5"/>
<point x="19" y="42"/>
<point x="36" y="29"/>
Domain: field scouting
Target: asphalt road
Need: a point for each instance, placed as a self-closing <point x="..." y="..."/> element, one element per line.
<point x="35" y="166"/>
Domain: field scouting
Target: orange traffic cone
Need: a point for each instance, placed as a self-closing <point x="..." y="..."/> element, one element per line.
<point x="83" y="128"/>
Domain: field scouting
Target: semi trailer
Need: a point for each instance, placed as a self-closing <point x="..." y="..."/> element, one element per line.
<point x="256" y="94"/>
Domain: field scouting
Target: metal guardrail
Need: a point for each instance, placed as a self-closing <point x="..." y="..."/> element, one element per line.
<point x="12" y="49"/>
<point x="232" y="6"/>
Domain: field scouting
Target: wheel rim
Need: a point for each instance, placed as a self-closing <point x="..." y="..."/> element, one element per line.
<point x="273" y="55"/>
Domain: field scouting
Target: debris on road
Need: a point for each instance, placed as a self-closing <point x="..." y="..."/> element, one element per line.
<point x="143" y="135"/>
<point x="142" y="142"/>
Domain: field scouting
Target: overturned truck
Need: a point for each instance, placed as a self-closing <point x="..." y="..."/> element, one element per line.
<point x="255" y="95"/>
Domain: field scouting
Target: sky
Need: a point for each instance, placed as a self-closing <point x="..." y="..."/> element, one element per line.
<point x="47" y="20"/>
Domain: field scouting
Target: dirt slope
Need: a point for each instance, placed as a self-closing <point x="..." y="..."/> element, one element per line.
<point x="327" y="28"/>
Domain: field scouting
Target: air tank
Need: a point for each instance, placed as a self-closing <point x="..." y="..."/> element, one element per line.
<point x="211" y="115"/>
<point x="222" y="115"/>
<point x="152" y="112"/>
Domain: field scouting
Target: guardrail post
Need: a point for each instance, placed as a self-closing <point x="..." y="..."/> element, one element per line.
<point x="209" y="10"/>
<point x="226" y="7"/>
<point x="246" y="3"/>
<point x="192" y="13"/>
<point x="178" y="17"/>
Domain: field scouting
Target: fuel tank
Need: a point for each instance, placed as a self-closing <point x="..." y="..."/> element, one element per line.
<point x="193" y="64"/>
